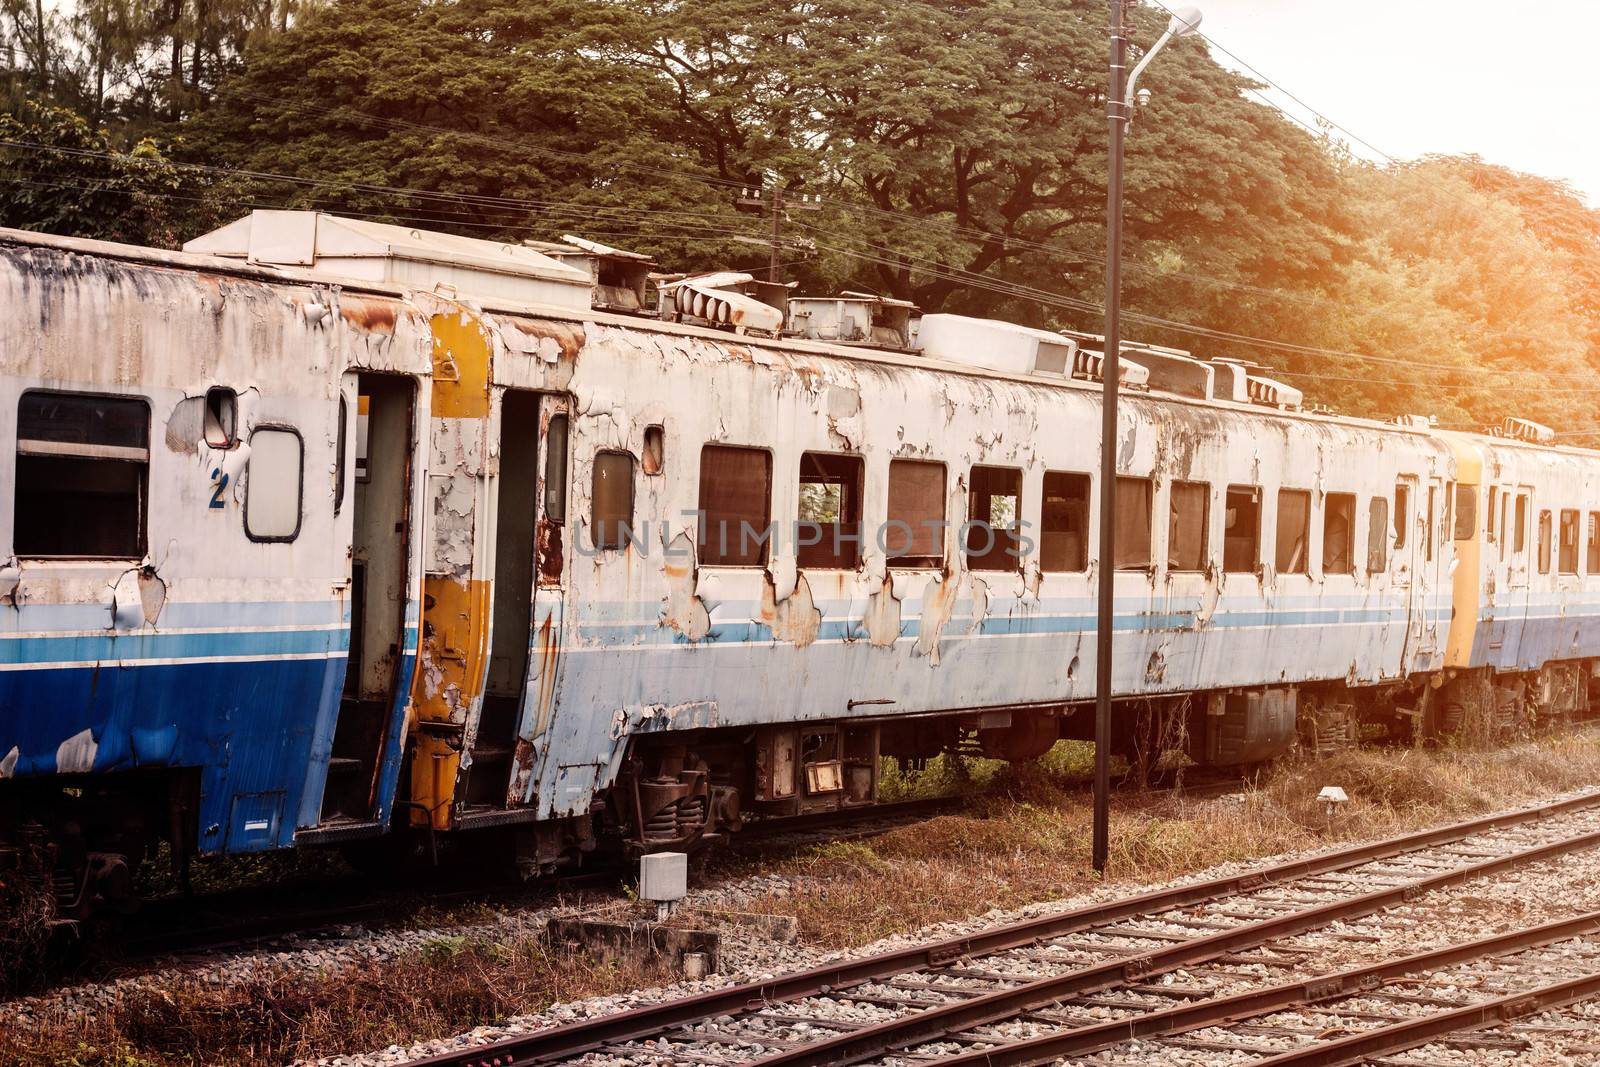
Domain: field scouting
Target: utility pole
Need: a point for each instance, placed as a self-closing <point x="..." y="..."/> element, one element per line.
<point x="752" y="200"/>
<point x="1185" y="22"/>
<point x="1110" y="371"/>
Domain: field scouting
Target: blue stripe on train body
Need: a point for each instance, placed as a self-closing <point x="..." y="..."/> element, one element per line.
<point x="248" y="726"/>
<point x="1020" y="652"/>
<point x="253" y="710"/>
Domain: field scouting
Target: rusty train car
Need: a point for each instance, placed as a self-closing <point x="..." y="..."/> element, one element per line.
<point x="323" y="533"/>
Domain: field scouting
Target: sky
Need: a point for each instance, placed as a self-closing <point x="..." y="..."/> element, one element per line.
<point x="1515" y="83"/>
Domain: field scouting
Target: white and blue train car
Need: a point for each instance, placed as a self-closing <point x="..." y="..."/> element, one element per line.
<point x="189" y="522"/>
<point x="1264" y="555"/>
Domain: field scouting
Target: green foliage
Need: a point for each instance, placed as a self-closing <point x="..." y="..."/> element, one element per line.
<point x="443" y="947"/>
<point x="66" y="176"/>
<point x="958" y="146"/>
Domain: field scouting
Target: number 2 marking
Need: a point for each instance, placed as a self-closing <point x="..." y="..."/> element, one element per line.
<point x="222" y="485"/>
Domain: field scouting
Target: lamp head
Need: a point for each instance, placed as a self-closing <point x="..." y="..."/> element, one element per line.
<point x="1185" y="22"/>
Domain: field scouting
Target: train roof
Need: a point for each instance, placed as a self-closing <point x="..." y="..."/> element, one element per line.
<point x="888" y="357"/>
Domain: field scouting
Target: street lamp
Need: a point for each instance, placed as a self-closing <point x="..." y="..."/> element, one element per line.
<point x="1119" y="109"/>
<point x="1185" y="22"/>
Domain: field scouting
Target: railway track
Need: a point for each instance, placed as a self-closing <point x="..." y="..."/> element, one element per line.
<point x="1153" y="967"/>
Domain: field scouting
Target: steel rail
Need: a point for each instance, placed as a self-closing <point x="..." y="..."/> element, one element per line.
<point x="938" y="1022"/>
<point x="1398" y="1037"/>
<point x="572" y="1039"/>
<point x="1217" y="1011"/>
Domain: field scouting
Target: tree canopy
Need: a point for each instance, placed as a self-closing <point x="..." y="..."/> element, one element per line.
<point x="955" y="150"/>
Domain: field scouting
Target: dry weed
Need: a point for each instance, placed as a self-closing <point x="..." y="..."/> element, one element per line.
<point x="271" y="1017"/>
<point x="1026" y="841"/>
<point x="1030" y="840"/>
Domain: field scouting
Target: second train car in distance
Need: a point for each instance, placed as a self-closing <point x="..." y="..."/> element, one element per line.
<point x="323" y="530"/>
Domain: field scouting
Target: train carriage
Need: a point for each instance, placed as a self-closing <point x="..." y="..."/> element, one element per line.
<point x="189" y="538"/>
<point x="325" y="530"/>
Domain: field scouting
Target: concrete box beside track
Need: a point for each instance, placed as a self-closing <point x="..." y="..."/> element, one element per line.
<point x="663" y="876"/>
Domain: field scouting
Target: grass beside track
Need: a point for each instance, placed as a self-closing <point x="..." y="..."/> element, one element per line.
<point x="1027" y="840"/>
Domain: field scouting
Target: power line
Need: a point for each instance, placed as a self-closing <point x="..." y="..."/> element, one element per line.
<point x="891" y="257"/>
<point x="965" y="232"/>
<point x="1231" y="55"/>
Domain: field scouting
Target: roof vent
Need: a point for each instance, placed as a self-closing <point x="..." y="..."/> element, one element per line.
<point x="617" y="278"/>
<point x="1002" y="346"/>
<point x="1171" y="370"/>
<point x="724" y="298"/>
<point x="1526" y="430"/>
<point x="852" y="319"/>
<point x="1274" y="394"/>
<point x="1231" y="380"/>
<point x="1091" y="367"/>
<point x="1417" y="422"/>
<point x="398" y="255"/>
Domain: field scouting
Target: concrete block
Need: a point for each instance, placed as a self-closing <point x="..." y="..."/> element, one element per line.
<point x="663" y="876"/>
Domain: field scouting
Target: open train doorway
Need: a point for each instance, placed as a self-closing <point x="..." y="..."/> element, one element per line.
<point x="379" y="563"/>
<point x="515" y="547"/>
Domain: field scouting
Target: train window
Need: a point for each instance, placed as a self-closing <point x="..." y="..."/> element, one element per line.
<point x="1488" y="527"/>
<point x="1503" y="525"/>
<point x="1339" y="533"/>
<point x="1567" y="558"/>
<point x="1448" y="521"/>
<point x="82" y="469"/>
<point x="555" y="470"/>
<point x="1592" y="563"/>
<point x="735" y="506"/>
<point x="1521" y="534"/>
<point x="1466" y="512"/>
<point x="611" y="503"/>
<point x="1378" y="535"/>
<point x="1064" y="531"/>
<point x="994" y="510"/>
<point x="1402" y="514"/>
<point x="914" y="534"/>
<point x="1188" y="526"/>
<point x="653" y="460"/>
<point x="338" y="456"/>
<point x="829" y="533"/>
<point x="1544" y="542"/>
<point x="1427" y="541"/>
<point x="1241" y="532"/>
<point x="222" y="417"/>
<point x="1134" y="513"/>
<point x="1294" y="531"/>
<point x="272" y="488"/>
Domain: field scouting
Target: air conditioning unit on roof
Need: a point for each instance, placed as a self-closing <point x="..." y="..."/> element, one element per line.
<point x="1002" y="346"/>
<point x="398" y="255"/>
<point x="852" y="319"/>
<point x="1527" y="430"/>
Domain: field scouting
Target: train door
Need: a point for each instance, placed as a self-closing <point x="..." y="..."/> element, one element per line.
<point x="379" y="561"/>
<point x="542" y="656"/>
<point x="1430" y="592"/>
<point x="1519" y="542"/>
<point x="1497" y="593"/>
<point x="1403" y="564"/>
<point x="487" y="773"/>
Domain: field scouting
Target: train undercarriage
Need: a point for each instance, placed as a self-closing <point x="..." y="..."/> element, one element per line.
<point x="76" y="842"/>
<point x="687" y="789"/>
